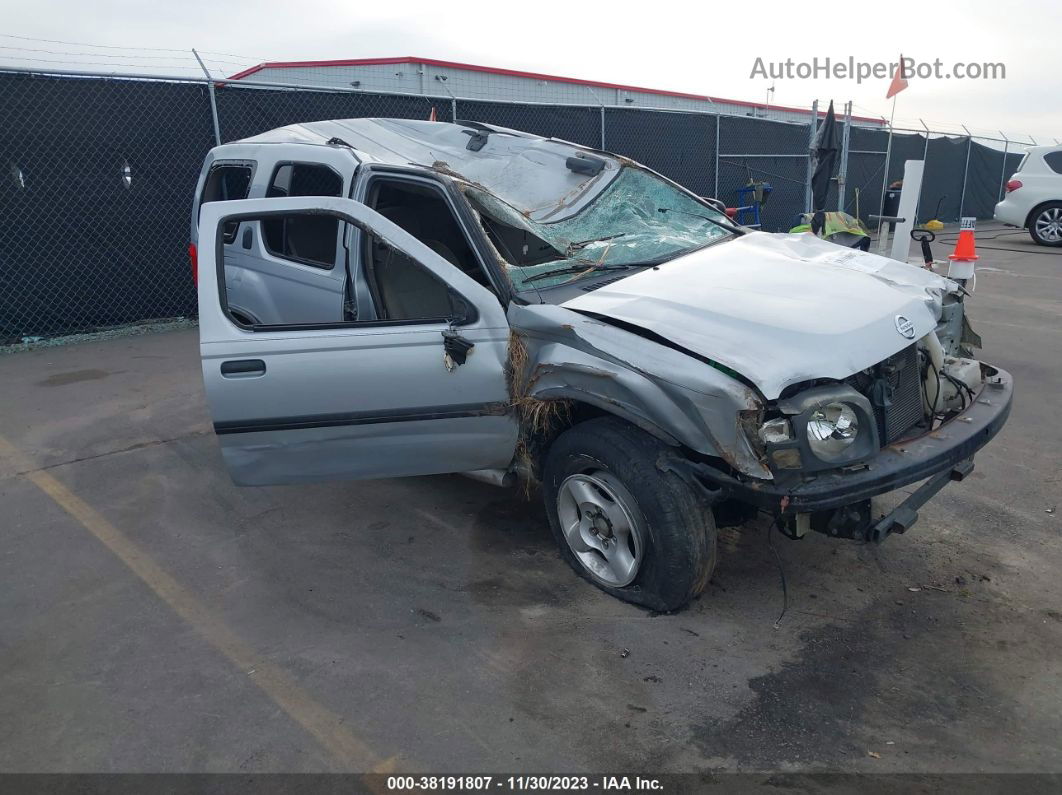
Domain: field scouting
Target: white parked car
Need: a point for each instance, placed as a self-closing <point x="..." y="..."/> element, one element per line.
<point x="1034" y="196"/>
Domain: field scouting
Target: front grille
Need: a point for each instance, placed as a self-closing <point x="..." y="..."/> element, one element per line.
<point x="903" y="407"/>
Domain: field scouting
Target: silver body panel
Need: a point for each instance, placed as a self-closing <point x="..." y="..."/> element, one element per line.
<point x="371" y="383"/>
<point x="779" y="309"/>
<point x="727" y="327"/>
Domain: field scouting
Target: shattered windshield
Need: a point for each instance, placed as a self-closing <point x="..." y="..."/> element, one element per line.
<point x="637" y="220"/>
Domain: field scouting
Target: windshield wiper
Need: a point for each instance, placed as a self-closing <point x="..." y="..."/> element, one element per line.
<point x="577" y="269"/>
<point x="585" y="243"/>
<point x="708" y="218"/>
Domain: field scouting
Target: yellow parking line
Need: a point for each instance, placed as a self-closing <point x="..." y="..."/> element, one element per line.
<point x="348" y="752"/>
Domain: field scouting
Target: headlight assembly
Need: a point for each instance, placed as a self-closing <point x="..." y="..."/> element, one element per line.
<point x="824" y="427"/>
<point x="831" y="430"/>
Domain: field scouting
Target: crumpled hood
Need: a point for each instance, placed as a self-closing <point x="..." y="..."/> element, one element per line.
<point x="778" y="309"/>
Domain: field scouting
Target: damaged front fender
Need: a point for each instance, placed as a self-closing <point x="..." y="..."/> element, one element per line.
<point x="677" y="398"/>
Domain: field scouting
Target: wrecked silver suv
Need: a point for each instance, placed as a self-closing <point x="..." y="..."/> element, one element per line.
<point x="382" y="298"/>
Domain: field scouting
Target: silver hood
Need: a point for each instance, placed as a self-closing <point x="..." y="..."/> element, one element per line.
<point x="779" y="309"/>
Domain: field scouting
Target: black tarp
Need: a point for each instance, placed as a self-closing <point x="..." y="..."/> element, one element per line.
<point x="82" y="248"/>
<point x="942" y="179"/>
<point x="578" y="125"/>
<point x="243" y="112"/>
<point x="866" y="166"/>
<point x="986" y="179"/>
<point x="824" y="163"/>
<point x="769" y="151"/>
<point x="78" y="247"/>
<point x="686" y="154"/>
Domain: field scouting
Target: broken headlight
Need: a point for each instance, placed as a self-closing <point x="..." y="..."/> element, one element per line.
<point x="832" y="429"/>
<point x="820" y="428"/>
<point x="775" y="431"/>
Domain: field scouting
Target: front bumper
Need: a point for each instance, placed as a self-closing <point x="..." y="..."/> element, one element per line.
<point x="937" y="453"/>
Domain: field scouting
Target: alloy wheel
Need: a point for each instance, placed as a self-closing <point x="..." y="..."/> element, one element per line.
<point x="1049" y="224"/>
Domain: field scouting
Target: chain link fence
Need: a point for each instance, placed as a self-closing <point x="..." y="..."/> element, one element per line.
<point x="98" y="175"/>
<point x="94" y="201"/>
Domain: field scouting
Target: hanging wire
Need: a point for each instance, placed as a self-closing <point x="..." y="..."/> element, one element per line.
<point x="776" y="524"/>
<point x="120" y="47"/>
<point x="106" y="55"/>
<point x="98" y="65"/>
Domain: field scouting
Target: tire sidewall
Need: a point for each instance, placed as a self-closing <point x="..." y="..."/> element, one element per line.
<point x="1032" y="225"/>
<point x="679" y="535"/>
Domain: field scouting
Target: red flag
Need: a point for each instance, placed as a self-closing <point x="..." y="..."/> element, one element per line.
<point x="432" y="116"/>
<point x="899" y="82"/>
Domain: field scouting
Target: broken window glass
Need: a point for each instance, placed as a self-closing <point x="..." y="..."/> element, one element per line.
<point x="637" y="220"/>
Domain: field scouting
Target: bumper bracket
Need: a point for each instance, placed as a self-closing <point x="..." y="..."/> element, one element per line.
<point x="904" y="515"/>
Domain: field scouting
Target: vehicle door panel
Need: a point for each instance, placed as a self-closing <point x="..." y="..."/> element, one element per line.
<point x="270" y="289"/>
<point x="257" y="276"/>
<point x="361" y="400"/>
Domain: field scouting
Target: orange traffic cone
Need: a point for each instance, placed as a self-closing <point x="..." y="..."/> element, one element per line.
<point x="965" y="249"/>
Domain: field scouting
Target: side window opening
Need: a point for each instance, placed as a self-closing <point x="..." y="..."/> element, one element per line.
<point x="279" y="295"/>
<point x="400" y="288"/>
<point x="403" y="289"/>
<point x="1054" y="161"/>
<point x="518" y="245"/>
<point x="423" y="212"/>
<point x="307" y="239"/>
<point x="227" y="182"/>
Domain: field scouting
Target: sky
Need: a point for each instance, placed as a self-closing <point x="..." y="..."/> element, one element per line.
<point x="703" y="48"/>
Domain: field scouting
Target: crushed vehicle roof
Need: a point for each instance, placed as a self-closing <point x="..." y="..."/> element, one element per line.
<point x="527" y="171"/>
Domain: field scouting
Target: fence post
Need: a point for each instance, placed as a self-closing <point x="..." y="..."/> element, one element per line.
<point x="885" y="176"/>
<point x="601" y="106"/>
<point x="213" y="99"/>
<point x="812" y="128"/>
<point x="842" y="170"/>
<point x="925" y="162"/>
<point x="1003" y="170"/>
<point x="718" y="122"/>
<point x="965" y="170"/>
<point x="453" y="100"/>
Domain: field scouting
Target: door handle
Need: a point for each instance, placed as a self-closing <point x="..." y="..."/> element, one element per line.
<point x="243" y="368"/>
<point x="246" y="242"/>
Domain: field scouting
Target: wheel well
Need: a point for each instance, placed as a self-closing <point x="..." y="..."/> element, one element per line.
<point x="538" y="438"/>
<point x="1037" y="208"/>
<point x="544" y="424"/>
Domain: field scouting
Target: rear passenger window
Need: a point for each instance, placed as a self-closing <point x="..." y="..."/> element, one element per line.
<point x="1054" y="161"/>
<point x="309" y="239"/>
<point x="226" y="182"/>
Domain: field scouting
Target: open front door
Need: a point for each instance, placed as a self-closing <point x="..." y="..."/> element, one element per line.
<point x="411" y="381"/>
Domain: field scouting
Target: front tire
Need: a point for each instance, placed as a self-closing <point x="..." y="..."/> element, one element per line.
<point x="640" y="533"/>
<point x="1045" y="225"/>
